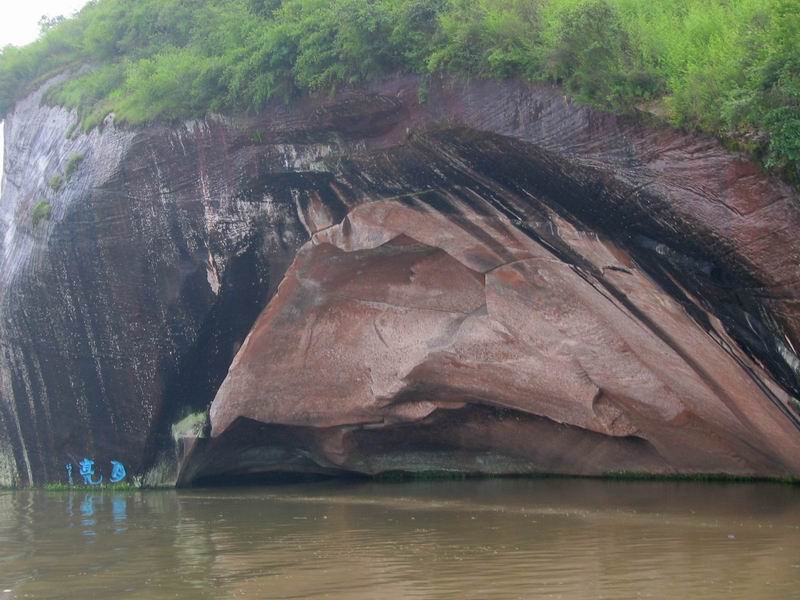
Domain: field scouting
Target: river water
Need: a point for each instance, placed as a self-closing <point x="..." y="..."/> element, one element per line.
<point x="502" y="538"/>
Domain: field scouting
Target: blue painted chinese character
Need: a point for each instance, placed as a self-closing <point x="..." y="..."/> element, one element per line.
<point x="69" y="473"/>
<point x="117" y="472"/>
<point x="87" y="472"/>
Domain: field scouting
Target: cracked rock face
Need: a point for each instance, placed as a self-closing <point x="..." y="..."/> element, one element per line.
<point x="498" y="281"/>
<point x="403" y="323"/>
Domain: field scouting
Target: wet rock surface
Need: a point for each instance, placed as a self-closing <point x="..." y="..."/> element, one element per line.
<point x="497" y="281"/>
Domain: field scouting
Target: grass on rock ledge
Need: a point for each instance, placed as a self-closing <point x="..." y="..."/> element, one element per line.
<point x="103" y="487"/>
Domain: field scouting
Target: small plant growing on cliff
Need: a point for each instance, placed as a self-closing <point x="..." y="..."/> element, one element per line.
<point x="257" y="137"/>
<point x="795" y="404"/>
<point x="192" y="426"/>
<point x="422" y="91"/>
<point x="55" y="183"/>
<point x="71" y="130"/>
<point x="41" y="212"/>
<point x="72" y="165"/>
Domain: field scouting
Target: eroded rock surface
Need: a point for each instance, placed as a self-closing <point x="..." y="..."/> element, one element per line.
<point x="418" y="324"/>
<point x="496" y="281"/>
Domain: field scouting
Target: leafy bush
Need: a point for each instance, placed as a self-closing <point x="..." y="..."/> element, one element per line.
<point x="593" y="57"/>
<point x="41" y="212"/>
<point x="488" y="37"/>
<point x="772" y="93"/>
<point x="72" y="165"/>
<point x="730" y="67"/>
<point x="55" y="183"/>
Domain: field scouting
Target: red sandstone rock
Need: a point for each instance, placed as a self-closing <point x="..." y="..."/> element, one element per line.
<point x="569" y="298"/>
<point x="398" y="317"/>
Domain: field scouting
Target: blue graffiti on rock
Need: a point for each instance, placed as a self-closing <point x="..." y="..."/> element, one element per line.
<point x="117" y="472"/>
<point x="87" y="470"/>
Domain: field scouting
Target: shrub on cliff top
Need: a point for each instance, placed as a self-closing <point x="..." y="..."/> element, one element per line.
<point x="593" y="55"/>
<point x="725" y="66"/>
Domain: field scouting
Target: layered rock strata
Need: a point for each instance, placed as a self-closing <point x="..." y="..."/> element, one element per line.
<point x="495" y="281"/>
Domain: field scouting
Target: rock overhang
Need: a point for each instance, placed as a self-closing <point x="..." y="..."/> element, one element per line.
<point x="606" y="230"/>
<point x="578" y="325"/>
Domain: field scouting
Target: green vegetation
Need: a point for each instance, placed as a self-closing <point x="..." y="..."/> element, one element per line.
<point x="191" y="426"/>
<point x="257" y="137"/>
<point x="41" y="212"/>
<point x="728" y="67"/>
<point x="103" y="487"/>
<point x="55" y="183"/>
<point x="72" y="165"/>
<point x="431" y="475"/>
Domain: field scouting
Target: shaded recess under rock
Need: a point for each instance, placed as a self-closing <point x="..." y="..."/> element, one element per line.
<point x="497" y="281"/>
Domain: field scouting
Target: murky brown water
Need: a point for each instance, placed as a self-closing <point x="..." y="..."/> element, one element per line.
<point x="571" y="539"/>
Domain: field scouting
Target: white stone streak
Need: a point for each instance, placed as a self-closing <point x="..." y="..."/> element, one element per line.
<point x="35" y="149"/>
<point x="2" y="153"/>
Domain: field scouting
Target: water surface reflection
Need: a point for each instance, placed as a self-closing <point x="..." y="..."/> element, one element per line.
<point x="471" y="539"/>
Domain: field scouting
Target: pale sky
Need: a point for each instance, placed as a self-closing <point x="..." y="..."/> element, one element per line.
<point x="19" y="18"/>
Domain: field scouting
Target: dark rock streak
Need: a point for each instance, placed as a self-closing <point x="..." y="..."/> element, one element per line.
<point x="498" y="281"/>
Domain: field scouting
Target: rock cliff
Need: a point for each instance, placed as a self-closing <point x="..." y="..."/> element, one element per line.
<point x="496" y="280"/>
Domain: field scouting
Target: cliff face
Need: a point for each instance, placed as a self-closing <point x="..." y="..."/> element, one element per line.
<point x="495" y="281"/>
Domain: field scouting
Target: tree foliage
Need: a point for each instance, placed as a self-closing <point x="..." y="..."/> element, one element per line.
<point x="724" y="66"/>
